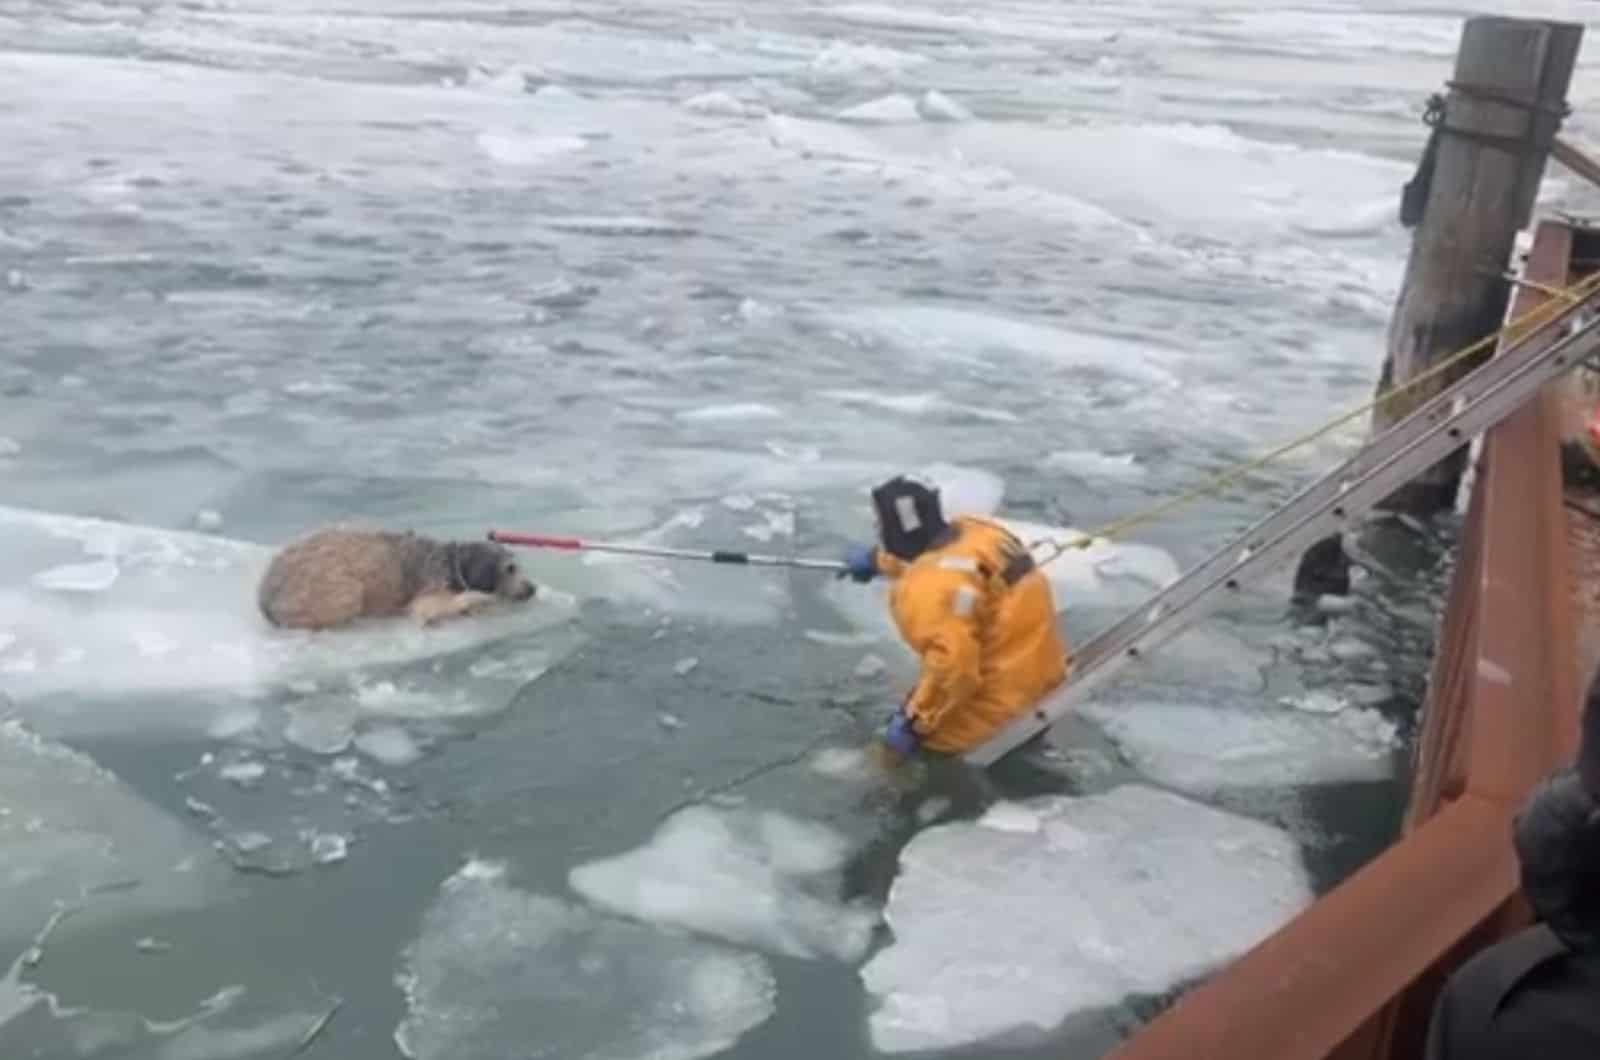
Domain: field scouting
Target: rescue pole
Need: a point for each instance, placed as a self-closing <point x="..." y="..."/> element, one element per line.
<point x="724" y="556"/>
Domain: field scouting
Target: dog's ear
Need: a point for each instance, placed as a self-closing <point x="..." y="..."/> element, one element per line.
<point x="480" y="565"/>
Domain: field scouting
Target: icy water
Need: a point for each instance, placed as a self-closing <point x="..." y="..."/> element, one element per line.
<point x="694" y="274"/>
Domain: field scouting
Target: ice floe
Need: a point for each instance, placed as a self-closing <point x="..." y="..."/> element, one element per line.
<point x="1005" y="927"/>
<point x="1204" y="748"/>
<point x="496" y="968"/>
<point x="106" y="610"/>
<point x="742" y="876"/>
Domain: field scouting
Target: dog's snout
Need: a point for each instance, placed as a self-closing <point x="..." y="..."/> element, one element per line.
<point x="525" y="590"/>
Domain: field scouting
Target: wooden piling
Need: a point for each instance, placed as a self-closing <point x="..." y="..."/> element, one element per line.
<point x="1491" y="139"/>
<point x="1475" y="189"/>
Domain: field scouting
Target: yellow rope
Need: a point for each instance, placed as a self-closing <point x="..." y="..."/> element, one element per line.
<point x="1560" y="300"/>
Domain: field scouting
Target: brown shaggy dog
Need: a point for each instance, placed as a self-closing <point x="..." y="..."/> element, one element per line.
<point x="339" y="574"/>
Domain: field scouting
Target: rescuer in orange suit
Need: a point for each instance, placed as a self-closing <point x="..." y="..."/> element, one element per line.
<point x="969" y="600"/>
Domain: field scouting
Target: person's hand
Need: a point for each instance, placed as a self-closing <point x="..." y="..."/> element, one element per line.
<point x="900" y="737"/>
<point x="861" y="563"/>
<point x="893" y="752"/>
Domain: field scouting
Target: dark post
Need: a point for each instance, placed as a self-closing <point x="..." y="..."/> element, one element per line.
<point x="1475" y="190"/>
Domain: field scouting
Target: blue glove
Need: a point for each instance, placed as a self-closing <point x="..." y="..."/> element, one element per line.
<point x="861" y="563"/>
<point x="901" y="738"/>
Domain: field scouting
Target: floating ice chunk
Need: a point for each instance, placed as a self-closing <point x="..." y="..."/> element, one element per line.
<point x="871" y="666"/>
<point x="800" y="454"/>
<point x="1351" y="220"/>
<point x="669" y="721"/>
<point x="277" y="1036"/>
<point x="170" y="612"/>
<point x="684" y="667"/>
<point x="389" y="744"/>
<point x="250" y="842"/>
<point x="496" y="968"/>
<point x="70" y="828"/>
<point x="966" y="490"/>
<point x="511" y="150"/>
<point x="316" y="388"/>
<point x="208" y="520"/>
<point x="851" y="61"/>
<point x="9" y="447"/>
<point x="1104" y="573"/>
<point x="512" y="81"/>
<point x="839" y="640"/>
<point x="921" y="404"/>
<point x="1370" y="695"/>
<point x="1317" y="701"/>
<point x="734" y="413"/>
<point x="778" y="524"/>
<point x="889" y="110"/>
<point x="1089" y="463"/>
<point x="1203" y="749"/>
<point x="1225" y="659"/>
<point x="320" y="727"/>
<point x="16" y="280"/>
<point x="1010" y="817"/>
<point x="842" y="763"/>
<point x="965" y="335"/>
<point x="754" y="312"/>
<point x="243" y="774"/>
<point x="722" y="105"/>
<point x="93" y="577"/>
<point x="737" y="876"/>
<point x="936" y="106"/>
<point x="327" y="848"/>
<point x="1001" y="933"/>
<point x="619" y="226"/>
<point x="234" y="723"/>
<point x="1349" y="649"/>
<point x="152" y="643"/>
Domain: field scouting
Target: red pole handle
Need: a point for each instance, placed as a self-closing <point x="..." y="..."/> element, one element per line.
<point x="504" y="537"/>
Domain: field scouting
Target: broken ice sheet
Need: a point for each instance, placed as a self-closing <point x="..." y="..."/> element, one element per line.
<point x="1005" y="927"/>
<point x="96" y="611"/>
<point x="736" y="875"/>
<point x="496" y="968"/>
<point x="389" y="744"/>
<point x="72" y="828"/>
<point x="1203" y="748"/>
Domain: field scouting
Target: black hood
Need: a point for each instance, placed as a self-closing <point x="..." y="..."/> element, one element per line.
<point x="1557" y="836"/>
<point x="910" y="520"/>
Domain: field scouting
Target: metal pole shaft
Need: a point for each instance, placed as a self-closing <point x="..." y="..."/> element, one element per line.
<point x="741" y="559"/>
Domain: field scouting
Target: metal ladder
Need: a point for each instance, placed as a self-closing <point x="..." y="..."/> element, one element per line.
<point x="1443" y="424"/>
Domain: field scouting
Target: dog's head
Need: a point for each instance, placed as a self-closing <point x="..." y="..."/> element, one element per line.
<point x="490" y="568"/>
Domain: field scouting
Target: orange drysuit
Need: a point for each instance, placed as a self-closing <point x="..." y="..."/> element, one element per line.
<point x="982" y="619"/>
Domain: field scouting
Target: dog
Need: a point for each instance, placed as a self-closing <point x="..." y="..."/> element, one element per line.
<point x="339" y="574"/>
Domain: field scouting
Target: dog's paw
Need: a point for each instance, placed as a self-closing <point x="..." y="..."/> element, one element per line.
<point x="472" y="602"/>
